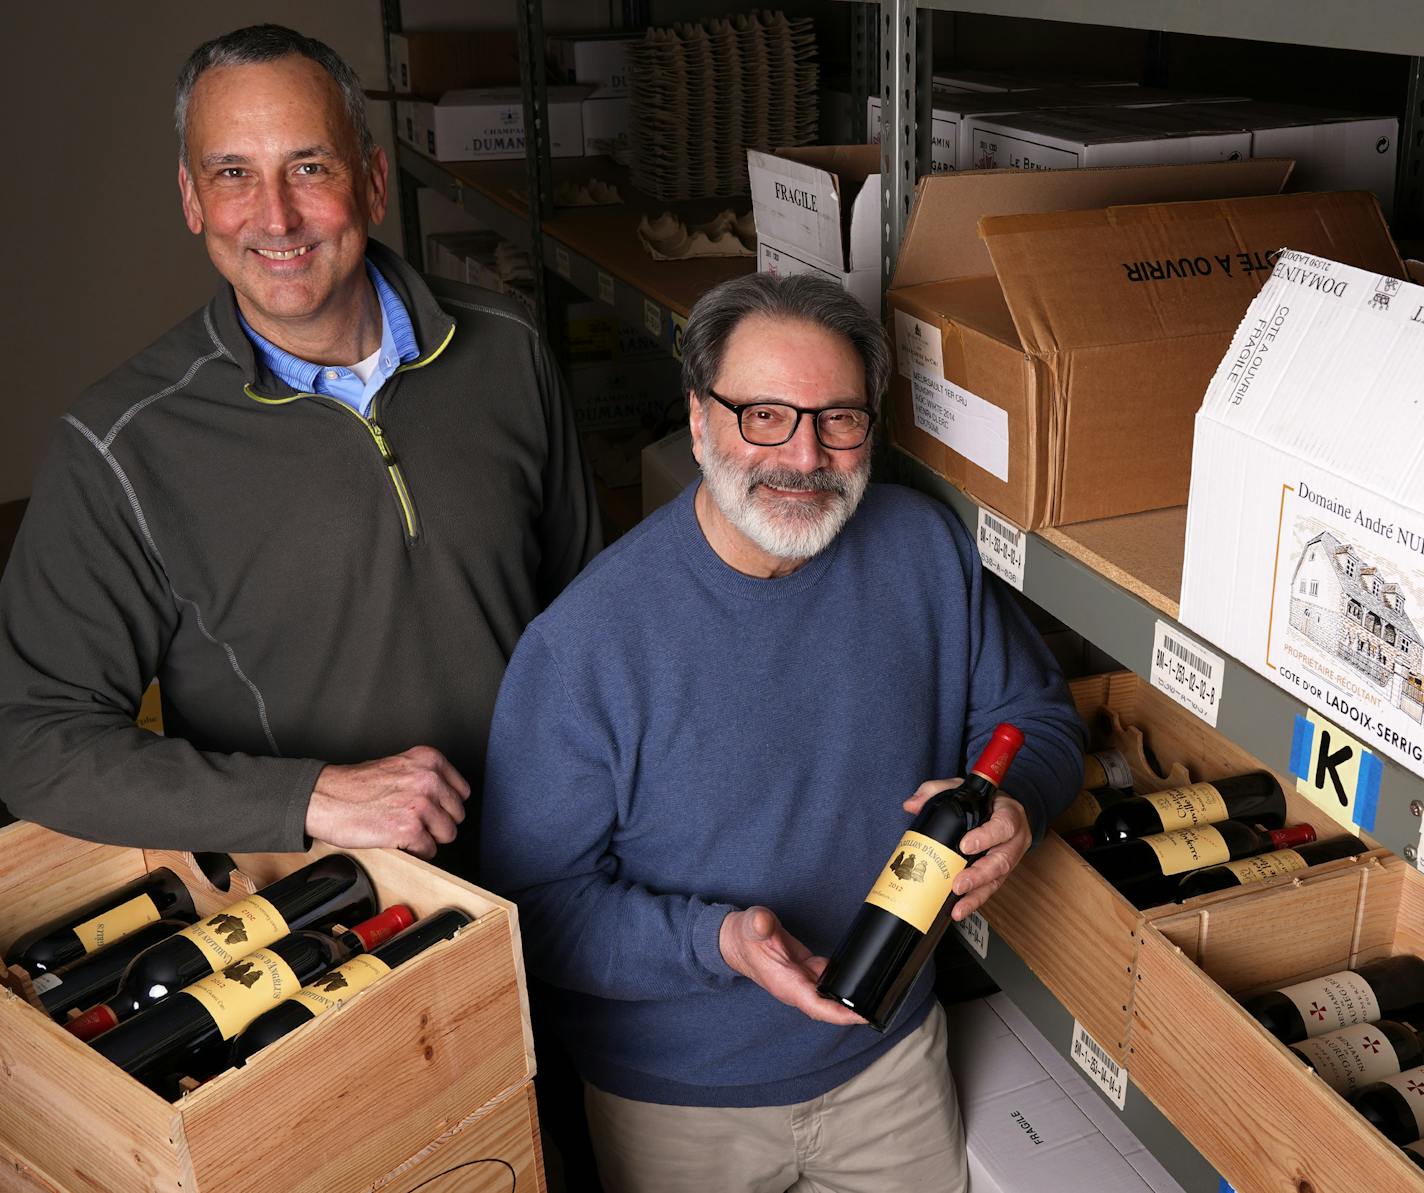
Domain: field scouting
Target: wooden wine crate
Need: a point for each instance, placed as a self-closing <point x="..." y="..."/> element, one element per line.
<point x="1074" y="930"/>
<point x="335" y="1105"/>
<point x="1256" y="1112"/>
<point x="496" y="1151"/>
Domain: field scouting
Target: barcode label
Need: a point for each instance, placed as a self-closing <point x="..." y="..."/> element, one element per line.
<point x="605" y="289"/>
<point x="1001" y="548"/>
<point x="1093" y="1059"/>
<point x="974" y="929"/>
<point x="1188" y="672"/>
<point x="561" y="261"/>
<point x="653" y="318"/>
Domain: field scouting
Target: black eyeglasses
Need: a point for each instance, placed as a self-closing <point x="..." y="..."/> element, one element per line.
<point x="770" y="424"/>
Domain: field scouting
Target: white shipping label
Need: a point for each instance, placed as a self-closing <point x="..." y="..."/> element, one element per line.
<point x="917" y="346"/>
<point x="561" y="261"/>
<point x="1327" y="1004"/>
<point x="974" y="929"/>
<point x="1188" y="672"/>
<point x="605" y="288"/>
<point x="1002" y="548"/>
<point x="1106" y="1073"/>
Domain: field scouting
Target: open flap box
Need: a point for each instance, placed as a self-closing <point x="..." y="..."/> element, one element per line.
<point x="338" y="1104"/>
<point x="1076" y="932"/>
<point x="1255" y="1111"/>
<point x="817" y="210"/>
<point x="1061" y="387"/>
<point x="1305" y="528"/>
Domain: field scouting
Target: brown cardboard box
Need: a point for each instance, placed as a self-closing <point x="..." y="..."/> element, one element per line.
<point x="430" y="63"/>
<point x="1075" y="367"/>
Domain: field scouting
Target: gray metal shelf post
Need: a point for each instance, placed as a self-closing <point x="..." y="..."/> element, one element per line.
<point x="534" y="79"/>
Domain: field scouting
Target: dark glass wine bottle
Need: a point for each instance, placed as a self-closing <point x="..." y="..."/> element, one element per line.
<point x="332" y="888"/>
<point x="1391" y="988"/>
<point x="1354" y="1057"/>
<point x="189" y="1034"/>
<point x="65" y="940"/>
<point x="1415" y="1152"/>
<point x="1255" y="797"/>
<point x="1139" y="866"/>
<point x="1394" y="1106"/>
<point x="1266" y="865"/>
<point x="94" y="978"/>
<point x="1107" y="780"/>
<point x="908" y="908"/>
<point x="334" y="988"/>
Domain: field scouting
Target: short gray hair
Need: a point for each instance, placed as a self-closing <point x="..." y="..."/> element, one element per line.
<point x="267" y="43"/>
<point x="803" y="297"/>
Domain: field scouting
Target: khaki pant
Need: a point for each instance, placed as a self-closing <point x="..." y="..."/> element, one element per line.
<point x="893" y="1127"/>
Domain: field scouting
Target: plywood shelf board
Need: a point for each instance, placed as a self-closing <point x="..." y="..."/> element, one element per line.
<point x="1141" y="553"/>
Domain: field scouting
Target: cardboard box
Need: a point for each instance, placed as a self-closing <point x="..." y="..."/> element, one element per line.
<point x="621" y="394"/>
<point x="1333" y="150"/>
<point x="668" y="468"/>
<point x="969" y="78"/>
<point x="820" y="207"/>
<point x="488" y="124"/>
<point x="782" y="261"/>
<point x="1259" y="1115"/>
<point x="1071" y="138"/>
<point x="79" y="1123"/>
<point x="599" y="59"/>
<point x="1078" y="934"/>
<point x="605" y="127"/>
<point x="431" y="62"/>
<point x="1066" y="392"/>
<point x="1030" y="1119"/>
<point x="1305" y="524"/>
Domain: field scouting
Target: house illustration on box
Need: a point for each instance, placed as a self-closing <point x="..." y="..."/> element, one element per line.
<point x="1342" y="603"/>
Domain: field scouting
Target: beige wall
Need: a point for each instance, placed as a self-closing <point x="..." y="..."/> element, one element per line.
<point x="98" y="262"/>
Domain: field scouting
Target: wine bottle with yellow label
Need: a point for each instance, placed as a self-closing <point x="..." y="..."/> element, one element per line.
<point x="1267" y="865"/>
<point x="329" y="889"/>
<point x="1256" y="798"/>
<point x="908" y="908"/>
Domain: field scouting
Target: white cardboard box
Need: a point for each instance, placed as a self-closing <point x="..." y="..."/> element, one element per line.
<point x="1031" y="1120"/>
<point x="668" y="468"/>
<point x="1333" y="151"/>
<point x="1305" y="522"/>
<point x="944" y="129"/>
<point x="783" y="261"/>
<point x="624" y="393"/>
<point x="822" y="204"/>
<point x="978" y="79"/>
<point x="1070" y="138"/>
<point x="605" y="127"/>
<point x="487" y="123"/>
<point x="600" y="60"/>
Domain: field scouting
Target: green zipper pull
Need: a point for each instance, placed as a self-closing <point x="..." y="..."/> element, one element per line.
<point x="386" y="453"/>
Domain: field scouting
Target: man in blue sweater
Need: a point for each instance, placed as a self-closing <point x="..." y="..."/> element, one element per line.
<point x="700" y="759"/>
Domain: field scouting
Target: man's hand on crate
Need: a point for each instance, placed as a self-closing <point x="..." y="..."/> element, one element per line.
<point x="412" y="801"/>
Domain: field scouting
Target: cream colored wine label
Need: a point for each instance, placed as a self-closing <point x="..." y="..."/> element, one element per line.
<point x="1189" y="849"/>
<point x="331" y="990"/>
<point x="917" y="880"/>
<point x="1410" y="1086"/>
<point x="116" y="923"/>
<point x="1107" y="768"/>
<point x="1080" y="814"/>
<point x="236" y="930"/>
<point x="1266" y="865"/>
<point x="236" y="994"/>
<point x="1330" y="1003"/>
<point x="1185" y="807"/>
<point x="1351" y="1057"/>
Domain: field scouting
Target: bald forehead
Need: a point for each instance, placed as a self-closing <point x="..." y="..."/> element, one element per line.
<point x="291" y="97"/>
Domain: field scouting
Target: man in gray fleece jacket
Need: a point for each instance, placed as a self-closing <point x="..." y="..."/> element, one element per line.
<point x="320" y="511"/>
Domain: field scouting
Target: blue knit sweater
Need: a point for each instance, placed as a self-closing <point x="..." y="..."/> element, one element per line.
<point x="674" y="740"/>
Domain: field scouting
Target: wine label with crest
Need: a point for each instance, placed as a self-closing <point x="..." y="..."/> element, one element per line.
<point x="1185" y="807"/>
<point x="1266" y="865"/>
<point x="236" y="994"/>
<point x="236" y="930"/>
<point x="330" y="990"/>
<point x="1189" y="849"/>
<point x="116" y="922"/>
<point x="917" y="880"/>
<point x="1351" y="1057"/>
<point x="1330" y="1003"/>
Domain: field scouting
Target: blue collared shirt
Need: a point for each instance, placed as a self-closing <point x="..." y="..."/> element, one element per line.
<point x="338" y="381"/>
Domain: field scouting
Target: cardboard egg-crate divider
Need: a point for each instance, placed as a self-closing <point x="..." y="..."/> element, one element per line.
<point x="1076" y="932"/>
<point x="348" y="1099"/>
